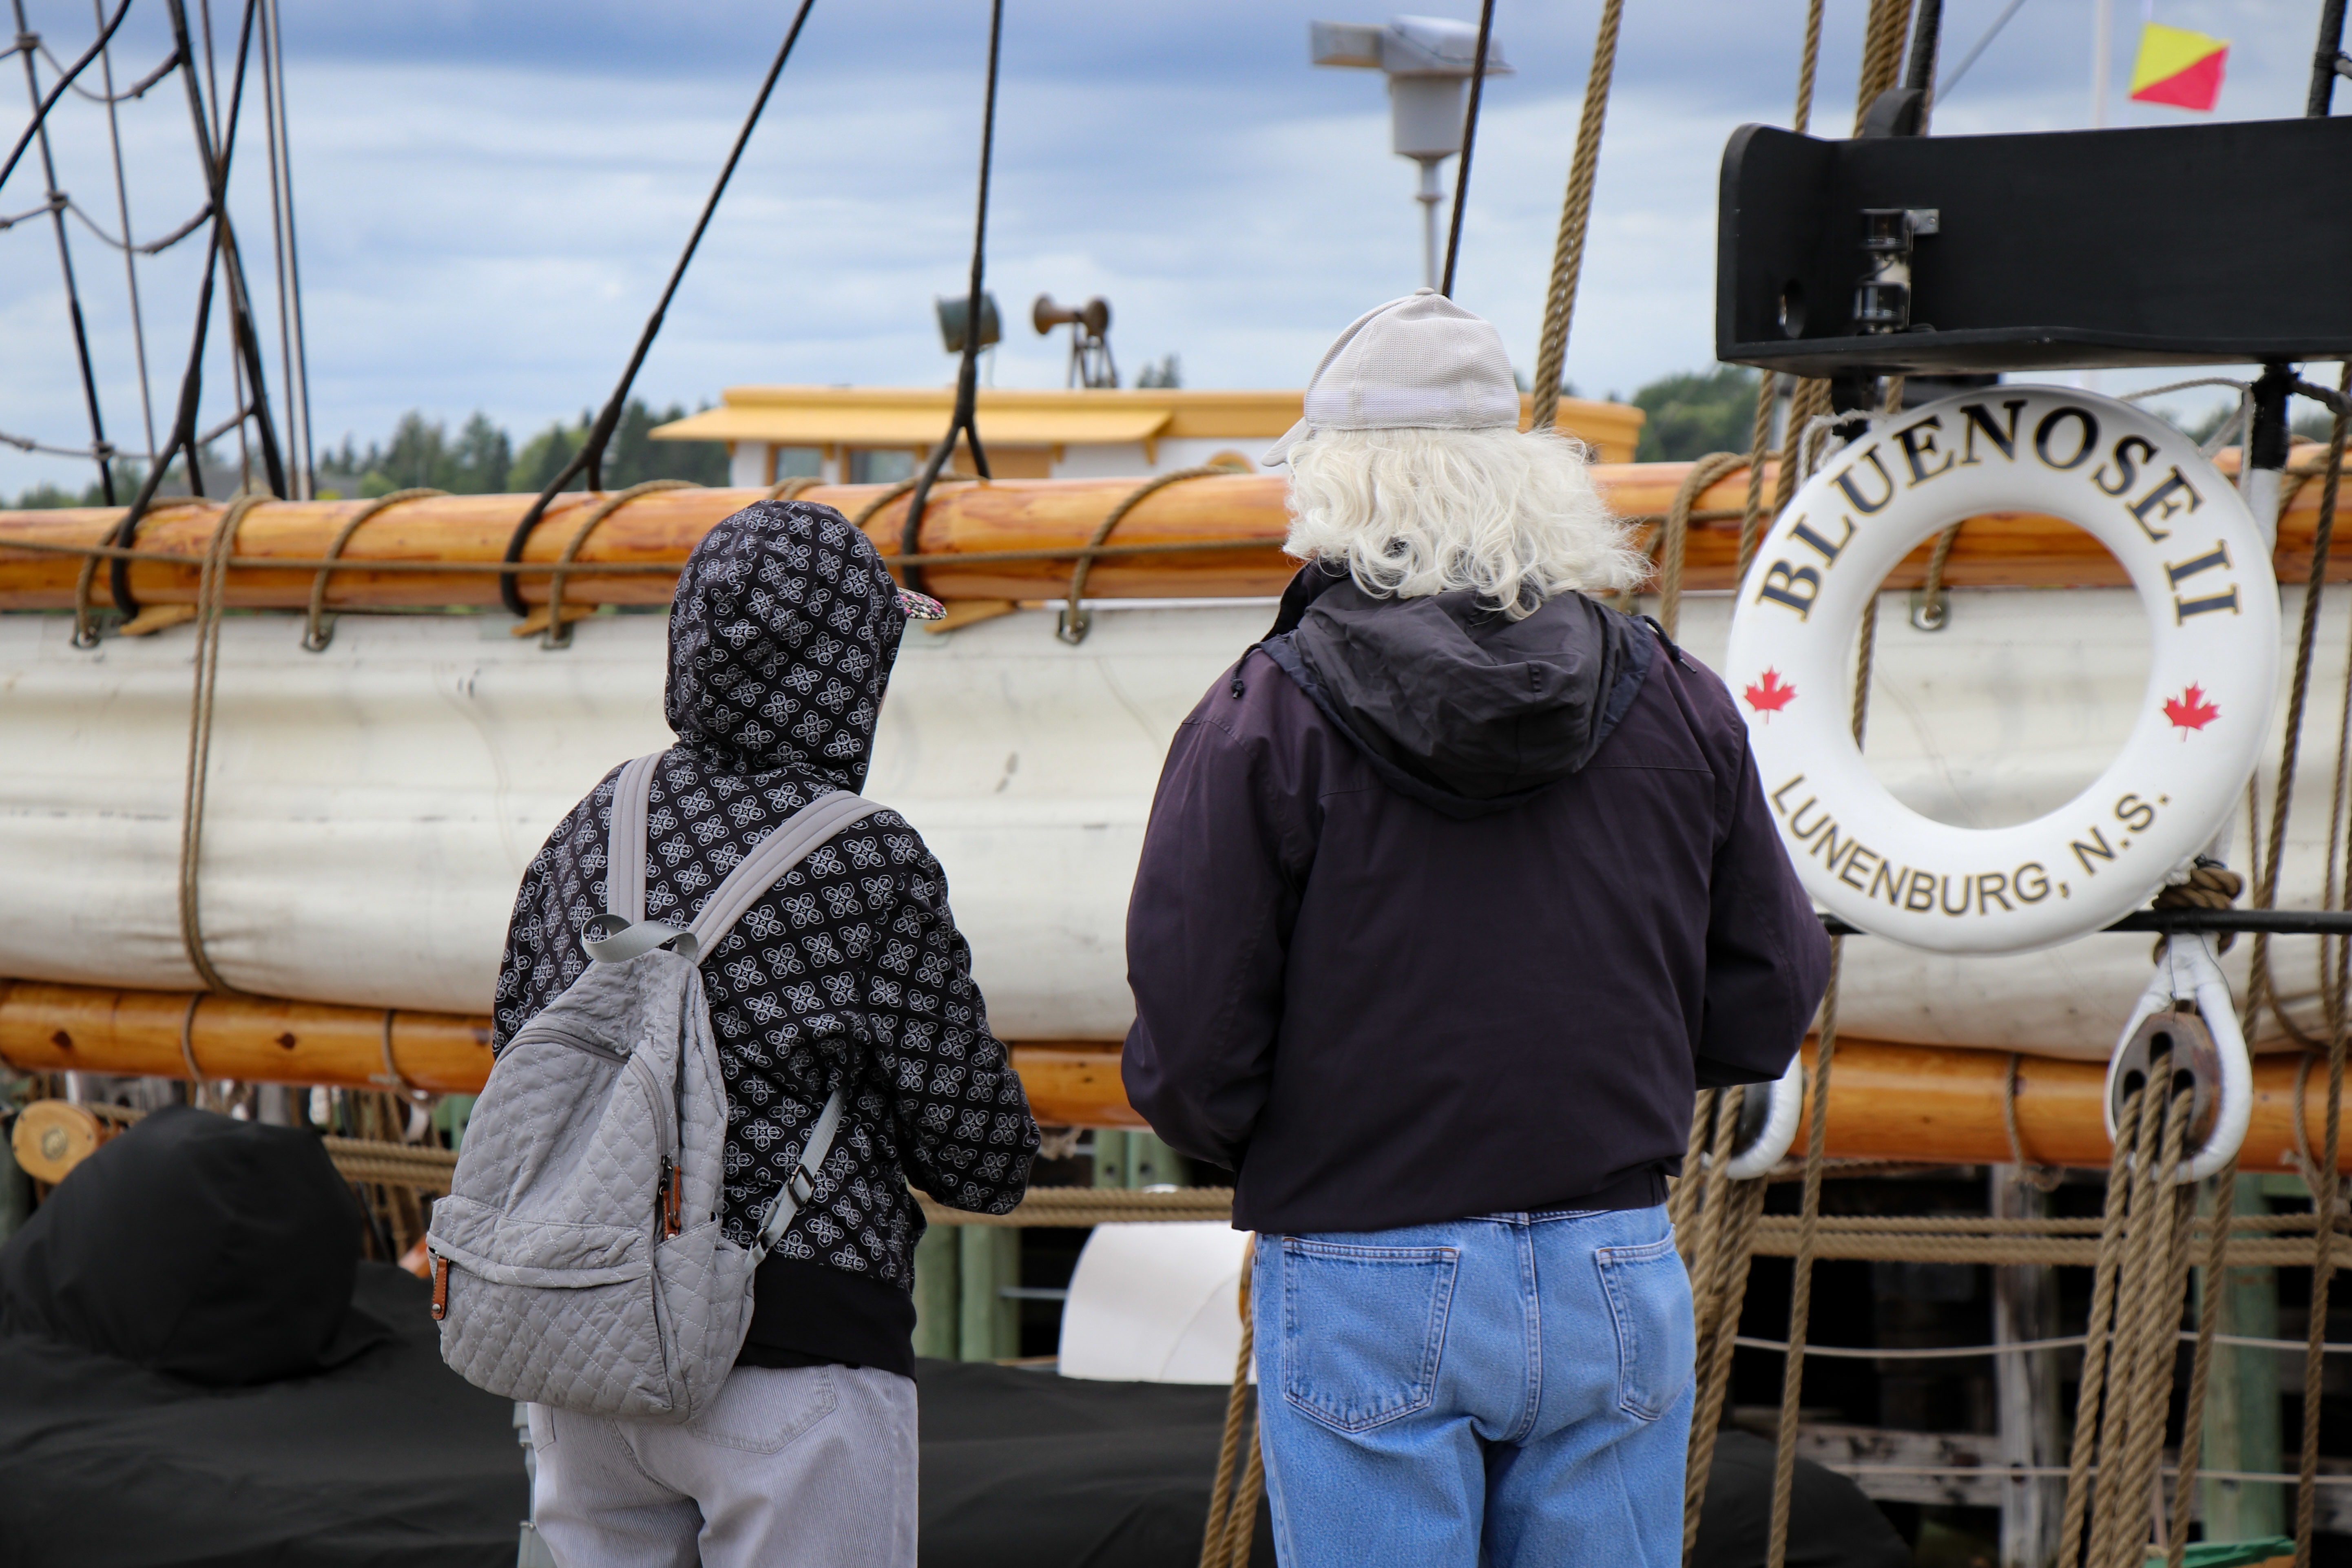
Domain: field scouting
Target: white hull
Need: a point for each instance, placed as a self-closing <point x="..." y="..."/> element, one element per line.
<point x="372" y="807"/>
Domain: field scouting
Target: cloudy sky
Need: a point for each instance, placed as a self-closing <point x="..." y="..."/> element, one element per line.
<point x="491" y="190"/>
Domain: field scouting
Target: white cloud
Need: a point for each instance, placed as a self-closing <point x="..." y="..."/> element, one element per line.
<point x="493" y="194"/>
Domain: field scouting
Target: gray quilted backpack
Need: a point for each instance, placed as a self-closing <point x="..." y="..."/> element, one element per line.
<point x="577" y="1260"/>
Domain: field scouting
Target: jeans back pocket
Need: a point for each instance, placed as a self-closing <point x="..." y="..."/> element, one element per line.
<point x="1363" y="1329"/>
<point x="1650" y="1302"/>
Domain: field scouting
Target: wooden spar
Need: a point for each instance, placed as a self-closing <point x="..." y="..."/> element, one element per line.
<point x="89" y="1029"/>
<point x="1943" y="1105"/>
<point x="1918" y="1104"/>
<point x="92" y="1028"/>
<point x="2006" y="548"/>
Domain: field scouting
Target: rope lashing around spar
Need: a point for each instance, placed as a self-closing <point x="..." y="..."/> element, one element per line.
<point x="85" y="611"/>
<point x="1074" y="621"/>
<point x="391" y="1078"/>
<point x="2040" y="1178"/>
<point x="188" y="1052"/>
<point x="1674" y="534"/>
<point x="559" y="630"/>
<point x="317" y="630"/>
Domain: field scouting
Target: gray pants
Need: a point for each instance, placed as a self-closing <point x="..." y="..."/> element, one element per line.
<point x="810" y="1467"/>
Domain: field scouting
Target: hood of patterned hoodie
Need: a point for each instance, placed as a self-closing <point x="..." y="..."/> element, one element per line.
<point x="1456" y="704"/>
<point x="782" y="636"/>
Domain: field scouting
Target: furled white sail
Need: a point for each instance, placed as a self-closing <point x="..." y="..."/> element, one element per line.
<point x="372" y="806"/>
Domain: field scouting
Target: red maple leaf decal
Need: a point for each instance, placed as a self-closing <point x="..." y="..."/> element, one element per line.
<point x="2189" y="710"/>
<point x="1769" y="695"/>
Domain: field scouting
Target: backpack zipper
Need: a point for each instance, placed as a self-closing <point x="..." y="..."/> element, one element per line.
<point x="667" y="1218"/>
<point x="561" y="1036"/>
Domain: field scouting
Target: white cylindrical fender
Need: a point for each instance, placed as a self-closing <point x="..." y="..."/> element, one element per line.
<point x="1787" y="1096"/>
<point x="2203" y="577"/>
<point x="2188" y="970"/>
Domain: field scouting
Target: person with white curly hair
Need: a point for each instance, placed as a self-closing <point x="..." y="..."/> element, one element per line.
<point x="1458" y="885"/>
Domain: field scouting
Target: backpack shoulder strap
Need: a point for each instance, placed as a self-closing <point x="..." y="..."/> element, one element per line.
<point x="776" y="853"/>
<point x="759" y="871"/>
<point x="625" y="844"/>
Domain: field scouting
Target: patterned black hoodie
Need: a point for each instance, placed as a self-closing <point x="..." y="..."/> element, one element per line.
<point x="849" y="973"/>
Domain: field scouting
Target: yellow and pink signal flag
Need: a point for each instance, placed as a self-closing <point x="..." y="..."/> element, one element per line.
<point x="2178" y="67"/>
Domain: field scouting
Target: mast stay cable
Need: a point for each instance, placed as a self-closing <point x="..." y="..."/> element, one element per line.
<point x="1469" y="140"/>
<point x="963" y="421"/>
<point x="590" y="459"/>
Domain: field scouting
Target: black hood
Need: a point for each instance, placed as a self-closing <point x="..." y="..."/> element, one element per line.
<point x="1458" y="705"/>
<point x="782" y="636"/>
<point x="217" y="1250"/>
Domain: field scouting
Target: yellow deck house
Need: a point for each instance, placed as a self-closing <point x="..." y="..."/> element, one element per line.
<point x="867" y="435"/>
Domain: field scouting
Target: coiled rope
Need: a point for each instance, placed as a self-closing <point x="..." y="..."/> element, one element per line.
<point x="1232" y="1510"/>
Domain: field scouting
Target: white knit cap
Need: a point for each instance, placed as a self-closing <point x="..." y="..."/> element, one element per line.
<point x="1419" y="362"/>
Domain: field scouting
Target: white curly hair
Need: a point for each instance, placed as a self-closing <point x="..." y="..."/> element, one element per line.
<point x="1418" y="511"/>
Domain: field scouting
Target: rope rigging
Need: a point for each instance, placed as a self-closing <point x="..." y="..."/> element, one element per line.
<point x="57" y="203"/>
<point x="153" y="247"/>
<point x="963" y="421"/>
<point x="42" y="105"/>
<point x="222" y="256"/>
<point x="137" y="90"/>
<point x="590" y="459"/>
<point x="1575" y="219"/>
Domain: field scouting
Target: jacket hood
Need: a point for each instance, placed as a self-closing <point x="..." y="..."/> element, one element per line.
<point x="782" y="636"/>
<point x="217" y="1251"/>
<point x="1476" y="709"/>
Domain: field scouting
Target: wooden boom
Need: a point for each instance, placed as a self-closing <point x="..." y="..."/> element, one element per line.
<point x="963" y="518"/>
<point x="1918" y="1104"/>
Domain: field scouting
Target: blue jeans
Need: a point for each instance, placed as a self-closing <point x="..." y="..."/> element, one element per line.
<point x="1513" y="1390"/>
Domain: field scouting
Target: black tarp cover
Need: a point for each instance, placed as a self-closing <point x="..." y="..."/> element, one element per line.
<point x="388" y="1460"/>
<point x="150" y="1309"/>
<point x="196" y="1368"/>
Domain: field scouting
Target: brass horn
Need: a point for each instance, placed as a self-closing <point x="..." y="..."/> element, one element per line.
<point x="1093" y="315"/>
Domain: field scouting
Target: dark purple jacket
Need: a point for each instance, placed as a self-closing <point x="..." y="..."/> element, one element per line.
<point x="1441" y="914"/>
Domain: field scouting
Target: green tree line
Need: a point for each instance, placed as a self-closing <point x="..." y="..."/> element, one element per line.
<point x="479" y="459"/>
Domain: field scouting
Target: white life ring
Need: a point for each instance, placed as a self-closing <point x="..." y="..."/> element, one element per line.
<point x="2195" y="556"/>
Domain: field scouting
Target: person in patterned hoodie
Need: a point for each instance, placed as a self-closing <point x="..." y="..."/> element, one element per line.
<point x="849" y="973"/>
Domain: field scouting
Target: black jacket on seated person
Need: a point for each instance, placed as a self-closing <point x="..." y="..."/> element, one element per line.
<point x="1443" y="914"/>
